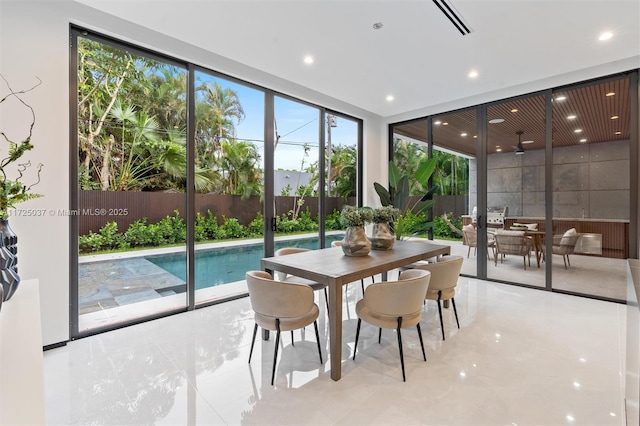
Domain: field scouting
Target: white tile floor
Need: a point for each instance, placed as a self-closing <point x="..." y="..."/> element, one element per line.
<point x="521" y="357"/>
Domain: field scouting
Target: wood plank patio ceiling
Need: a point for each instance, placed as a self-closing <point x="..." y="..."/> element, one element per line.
<point x="594" y="113"/>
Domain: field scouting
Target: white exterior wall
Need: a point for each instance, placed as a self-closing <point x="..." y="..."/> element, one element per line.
<point x="34" y="41"/>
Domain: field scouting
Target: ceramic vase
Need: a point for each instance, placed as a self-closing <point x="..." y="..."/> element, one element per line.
<point x="381" y="237"/>
<point x="8" y="276"/>
<point x="355" y="242"/>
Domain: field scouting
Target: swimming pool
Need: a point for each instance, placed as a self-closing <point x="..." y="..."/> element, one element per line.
<point x="227" y="264"/>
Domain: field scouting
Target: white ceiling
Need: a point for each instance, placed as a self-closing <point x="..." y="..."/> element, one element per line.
<point x="418" y="56"/>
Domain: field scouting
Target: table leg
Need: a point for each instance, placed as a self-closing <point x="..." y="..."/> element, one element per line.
<point x="335" y="329"/>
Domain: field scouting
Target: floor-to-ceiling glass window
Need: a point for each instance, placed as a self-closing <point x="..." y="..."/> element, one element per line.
<point x="559" y="185"/>
<point x="455" y="141"/>
<point x="296" y="172"/>
<point x="131" y="174"/>
<point x="170" y="181"/>
<point x="229" y="145"/>
<point x="591" y="188"/>
<point x="516" y="190"/>
<point x="341" y="170"/>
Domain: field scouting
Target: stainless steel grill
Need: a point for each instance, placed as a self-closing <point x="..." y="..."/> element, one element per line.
<point x="496" y="215"/>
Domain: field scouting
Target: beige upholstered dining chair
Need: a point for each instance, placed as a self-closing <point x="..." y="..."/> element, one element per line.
<point x="280" y="306"/>
<point x="395" y="305"/>
<point x="565" y="245"/>
<point x="283" y="276"/>
<point x="444" y="279"/>
<point x="515" y="243"/>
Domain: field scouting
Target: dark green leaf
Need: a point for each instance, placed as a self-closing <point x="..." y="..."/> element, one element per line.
<point x="385" y="197"/>
<point x="425" y="170"/>
<point x="394" y="175"/>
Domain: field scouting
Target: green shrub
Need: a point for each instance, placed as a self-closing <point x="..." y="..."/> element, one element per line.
<point x="90" y="242"/>
<point x="200" y="229"/>
<point x="332" y="221"/>
<point x="137" y="235"/>
<point x="256" y="226"/>
<point x="231" y="228"/>
<point x="441" y="228"/>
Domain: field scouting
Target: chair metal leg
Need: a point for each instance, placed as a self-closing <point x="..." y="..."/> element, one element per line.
<point x="355" y="347"/>
<point x="568" y="261"/>
<point x="440" y="315"/>
<point x="362" y="286"/>
<point x="564" y="259"/>
<point x="253" y="341"/>
<point x="315" y="325"/>
<point x="468" y="252"/>
<point x="455" y="311"/>
<point x="424" y="355"/>
<point x="379" y="335"/>
<point x="292" y="342"/>
<point x="275" y="351"/>
<point x="400" y="347"/>
<point x="326" y="299"/>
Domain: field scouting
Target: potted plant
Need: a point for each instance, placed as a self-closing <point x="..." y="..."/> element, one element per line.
<point x="398" y="196"/>
<point x="355" y="242"/>
<point x="13" y="190"/>
<point x="381" y="236"/>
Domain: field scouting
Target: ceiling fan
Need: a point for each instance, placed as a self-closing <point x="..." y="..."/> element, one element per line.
<point x="519" y="149"/>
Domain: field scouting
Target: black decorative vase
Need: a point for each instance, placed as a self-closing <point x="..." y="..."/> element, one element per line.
<point x="8" y="276"/>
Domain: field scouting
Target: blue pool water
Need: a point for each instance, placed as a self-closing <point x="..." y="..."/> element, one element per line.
<point x="227" y="264"/>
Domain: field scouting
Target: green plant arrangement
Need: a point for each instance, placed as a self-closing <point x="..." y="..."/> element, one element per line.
<point x="398" y="196"/>
<point x="385" y="214"/>
<point x="354" y="216"/>
<point x="355" y="242"/>
<point x="13" y="190"/>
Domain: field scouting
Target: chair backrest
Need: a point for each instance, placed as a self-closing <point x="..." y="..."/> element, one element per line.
<point x="289" y="250"/>
<point x="398" y="298"/>
<point x="285" y="251"/>
<point x="444" y="273"/>
<point x="470" y="235"/>
<point x="512" y="242"/>
<point x="569" y="238"/>
<point x="277" y="299"/>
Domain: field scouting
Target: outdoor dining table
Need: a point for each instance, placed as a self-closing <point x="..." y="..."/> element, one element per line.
<point x="332" y="267"/>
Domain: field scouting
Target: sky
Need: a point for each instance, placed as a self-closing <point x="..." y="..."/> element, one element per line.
<point x="297" y="125"/>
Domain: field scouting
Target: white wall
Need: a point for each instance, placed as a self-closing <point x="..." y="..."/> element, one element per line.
<point x="34" y="41"/>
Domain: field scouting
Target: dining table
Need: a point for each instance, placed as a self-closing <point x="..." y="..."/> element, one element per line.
<point x="332" y="267"/>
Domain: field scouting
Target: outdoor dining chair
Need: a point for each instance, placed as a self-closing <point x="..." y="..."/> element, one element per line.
<point x="280" y="306"/>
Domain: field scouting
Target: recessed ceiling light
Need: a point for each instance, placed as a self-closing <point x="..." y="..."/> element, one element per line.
<point x="618" y="133"/>
<point x="514" y="110"/>
<point x="497" y="146"/>
<point x="445" y="124"/>
<point x="437" y="122"/>
<point x="377" y="25"/>
<point x="475" y="136"/>
<point x="473" y="74"/>
<point x="614" y="117"/>
<point x="577" y="131"/>
<point x="605" y="36"/>
<point x="571" y="117"/>
<point x="561" y="98"/>
<point x="610" y="94"/>
<point x="308" y="59"/>
<point x="526" y="142"/>
<point x="463" y="134"/>
<point x="496" y="120"/>
<point x="583" y="140"/>
<point x="499" y="150"/>
<point x="389" y="98"/>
